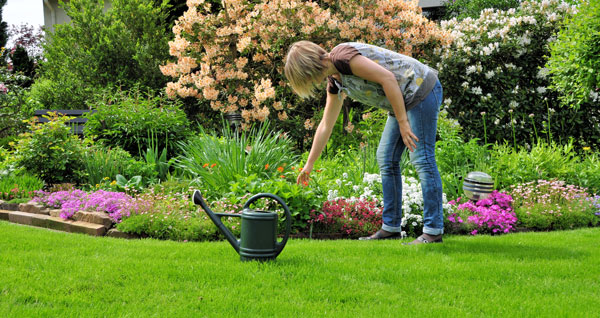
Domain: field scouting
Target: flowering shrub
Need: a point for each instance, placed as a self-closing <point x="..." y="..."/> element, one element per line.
<point x="494" y="76"/>
<point x="233" y="59"/>
<point x="552" y="205"/>
<point x="116" y="204"/>
<point x="493" y="214"/>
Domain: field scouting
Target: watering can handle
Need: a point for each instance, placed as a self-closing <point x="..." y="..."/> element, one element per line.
<point x="288" y="216"/>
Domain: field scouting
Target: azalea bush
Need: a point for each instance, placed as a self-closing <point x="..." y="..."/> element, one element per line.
<point x="554" y="205"/>
<point x="496" y="83"/>
<point x="493" y="214"/>
<point x="232" y="59"/>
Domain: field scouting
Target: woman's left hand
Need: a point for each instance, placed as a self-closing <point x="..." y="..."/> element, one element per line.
<point x="408" y="137"/>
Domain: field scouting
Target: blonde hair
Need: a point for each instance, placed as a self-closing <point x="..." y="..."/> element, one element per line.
<point x="303" y="66"/>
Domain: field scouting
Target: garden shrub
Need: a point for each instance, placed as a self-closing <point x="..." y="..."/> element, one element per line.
<point x="300" y="200"/>
<point x="461" y="9"/>
<point x="122" y="45"/>
<point x="135" y="119"/>
<point x="66" y="92"/>
<point x="543" y="161"/>
<point x="233" y="58"/>
<point x="553" y="205"/>
<point x="50" y="151"/>
<point x="15" y="103"/>
<point x="217" y="161"/>
<point x="101" y="163"/>
<point x="495" y="81"/>
<point x="575" y="57"/>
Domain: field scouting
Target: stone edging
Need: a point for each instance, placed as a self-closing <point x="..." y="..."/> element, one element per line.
<point x="34" y="214"/>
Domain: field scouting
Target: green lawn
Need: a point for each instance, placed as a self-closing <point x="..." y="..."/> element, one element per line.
<point x="45" y="273"/>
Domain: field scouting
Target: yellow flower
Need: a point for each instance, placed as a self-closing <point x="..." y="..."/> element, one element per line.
<point x="587" y="148"/>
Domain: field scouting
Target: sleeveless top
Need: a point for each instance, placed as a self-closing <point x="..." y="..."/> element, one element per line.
<point x="416" y="80"/>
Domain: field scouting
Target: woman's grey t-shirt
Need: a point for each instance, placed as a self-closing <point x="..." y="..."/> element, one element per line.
<point x="416" y="80"/>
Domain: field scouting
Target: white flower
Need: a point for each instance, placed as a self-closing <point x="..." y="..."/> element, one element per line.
<point x="338" y="182"/>
<point x="513" y="104"/>
<point x="345" y="175"/>
<point x="476" y="90"/>
<point x="355" y="188"/>
<point x="489" y="74"/>
<point x="471" y="69"/>
<point x="497" y="121"/>
<point x="542" y="73"/>
<point x="414" y="223"/>
<point x="465" y="85"/>
<point x="541" y="90"/>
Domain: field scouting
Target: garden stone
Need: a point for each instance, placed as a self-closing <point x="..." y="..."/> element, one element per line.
<point x="118" y="234"/>
<point x="56" y="223"/>
<point x="94" y="217"/>
<point x="87" y="228"/>
<point x="9" y="206"/>
<point x="55" y="213"/>
<point x="21" y="218"/>
<point x="4" y="214"/>
<point x="31" y="208"/>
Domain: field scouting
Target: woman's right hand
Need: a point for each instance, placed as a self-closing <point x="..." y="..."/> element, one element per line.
<point x="303" y="178"/>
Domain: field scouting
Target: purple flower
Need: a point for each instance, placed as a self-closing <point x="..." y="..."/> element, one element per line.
<point x="116" y="204"/>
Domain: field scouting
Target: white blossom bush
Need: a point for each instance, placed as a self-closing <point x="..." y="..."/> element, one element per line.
<point x="495" y="81"/>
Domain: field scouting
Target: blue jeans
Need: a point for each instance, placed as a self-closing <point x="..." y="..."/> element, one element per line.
<point x="423" y="122"/>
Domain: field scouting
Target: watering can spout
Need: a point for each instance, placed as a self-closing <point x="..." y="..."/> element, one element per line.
<point x="216" y="218"/>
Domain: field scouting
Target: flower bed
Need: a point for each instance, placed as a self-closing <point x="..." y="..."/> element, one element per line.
<point x="491" y="215"/>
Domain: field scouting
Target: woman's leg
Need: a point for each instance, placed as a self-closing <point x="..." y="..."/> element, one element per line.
<point x="423" y="121"/>
<point x="389" y="153"/>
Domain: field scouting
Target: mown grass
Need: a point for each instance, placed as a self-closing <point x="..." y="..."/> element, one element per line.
<point x="53" y="274"/>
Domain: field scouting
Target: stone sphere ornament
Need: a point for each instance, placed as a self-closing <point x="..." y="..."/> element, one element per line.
<point x="478" y="185"/>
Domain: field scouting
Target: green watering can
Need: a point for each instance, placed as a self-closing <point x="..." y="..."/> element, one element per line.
<point x="259" y="229"/>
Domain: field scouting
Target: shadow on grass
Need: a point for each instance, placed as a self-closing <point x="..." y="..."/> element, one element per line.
<point x="511" y="250"/>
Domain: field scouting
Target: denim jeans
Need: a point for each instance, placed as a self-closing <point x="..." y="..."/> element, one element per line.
<point x="423" y="122"/>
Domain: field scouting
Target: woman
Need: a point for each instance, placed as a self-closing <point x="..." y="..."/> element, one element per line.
<point x="409" y="90"/>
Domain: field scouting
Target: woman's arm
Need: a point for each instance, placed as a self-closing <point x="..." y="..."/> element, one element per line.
<point x="333" y="106"/>
<point x="371" y="71"/>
